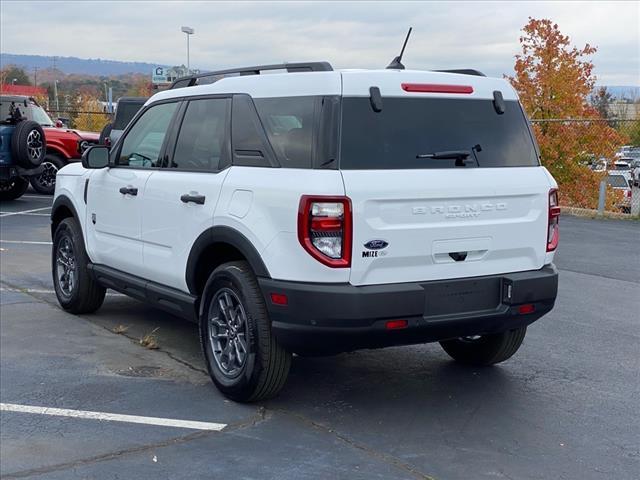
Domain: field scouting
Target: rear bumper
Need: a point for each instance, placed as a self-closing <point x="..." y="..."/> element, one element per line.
<point x="328" y="318"/>
<point x="9" y="172"/>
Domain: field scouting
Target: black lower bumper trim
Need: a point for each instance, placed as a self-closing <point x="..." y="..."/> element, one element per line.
<point x="329" y="318"/>
<point x="9" y="172"/>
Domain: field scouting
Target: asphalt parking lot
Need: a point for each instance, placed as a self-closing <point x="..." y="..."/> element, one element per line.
<point x="565" y="407"/>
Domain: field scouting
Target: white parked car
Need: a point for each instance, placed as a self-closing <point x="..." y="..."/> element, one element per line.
<point x="316" y="211"/>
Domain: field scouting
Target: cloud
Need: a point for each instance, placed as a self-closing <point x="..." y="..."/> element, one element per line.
<point x="481" y="35"/>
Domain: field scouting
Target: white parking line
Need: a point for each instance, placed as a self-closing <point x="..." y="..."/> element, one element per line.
<point x="9" y="214"/>
<point x="112" y="417"/>
<point x="28" y="214"/>
<point x="26" y="242"/>
<point x="38" y="196"/>
<point x="51" y="292"/>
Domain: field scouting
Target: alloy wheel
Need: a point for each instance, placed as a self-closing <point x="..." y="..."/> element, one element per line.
<point x="34" y="144"/>
<point x="228" y="335"/>
<point x="66" y="267"/>
<point x="47" y="178"/>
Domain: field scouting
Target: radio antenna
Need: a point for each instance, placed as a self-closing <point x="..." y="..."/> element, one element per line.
<point x="396" y="63"/>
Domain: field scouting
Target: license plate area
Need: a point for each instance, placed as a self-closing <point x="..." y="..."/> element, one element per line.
<point x="462" y="296"/>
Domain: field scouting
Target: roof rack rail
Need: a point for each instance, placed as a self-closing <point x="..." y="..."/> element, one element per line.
<point x="211" y="77"/>
<point x="464" y="71"/>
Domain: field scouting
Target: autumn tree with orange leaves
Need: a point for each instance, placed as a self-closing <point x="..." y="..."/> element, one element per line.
<point x="554" y="80"/>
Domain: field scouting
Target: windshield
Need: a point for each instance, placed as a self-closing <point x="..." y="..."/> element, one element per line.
<point x="433" y="133"/>
<point x="40" y="116"/>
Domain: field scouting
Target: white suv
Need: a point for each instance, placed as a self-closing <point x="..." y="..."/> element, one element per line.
<point x="314" y="211"/>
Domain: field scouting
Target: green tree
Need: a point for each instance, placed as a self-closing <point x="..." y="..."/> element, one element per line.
<point x="14" y="74"/>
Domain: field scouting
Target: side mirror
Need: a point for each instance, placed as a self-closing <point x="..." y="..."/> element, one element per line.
<point x="59" y="123"/>
<point x="96" y="156"/>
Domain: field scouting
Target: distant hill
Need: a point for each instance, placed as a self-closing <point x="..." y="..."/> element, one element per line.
<point x="90" y="66"/>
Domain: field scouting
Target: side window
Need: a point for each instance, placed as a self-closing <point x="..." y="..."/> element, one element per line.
<point x="250" y="145"/>
<point x="289" y="122"/>
<point x="201" y="143"/>
<point x="141" y="147"/>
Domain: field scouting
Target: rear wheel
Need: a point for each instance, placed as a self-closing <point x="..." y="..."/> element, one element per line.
<point x="243" y="357"/>
<point x="77" y="292"/>
<point x="485" y="349"/>
<point x="14" y="188"/>
<point x="45" y="183"/>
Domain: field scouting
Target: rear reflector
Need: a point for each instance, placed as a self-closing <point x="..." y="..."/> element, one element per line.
<point x="279" y="299"/>
<point x="436" y="88"/>
<point x="526" y="308"/>
<point x="396" y="324"/>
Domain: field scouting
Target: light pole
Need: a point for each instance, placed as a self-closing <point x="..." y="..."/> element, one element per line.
<point x="189" y="31"/>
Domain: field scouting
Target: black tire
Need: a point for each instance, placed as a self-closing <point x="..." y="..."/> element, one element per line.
<point x="104" y="134"/>
<point x="266" y="364"/>
<point x="486" y="349"/>
<point x="85" y="295"/>
<point x="14" y="188"/>
<point x="45" y="183"/>
<point x="28" y="144"/>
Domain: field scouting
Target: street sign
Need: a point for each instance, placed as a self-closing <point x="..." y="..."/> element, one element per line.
<point x="159" y="76"/>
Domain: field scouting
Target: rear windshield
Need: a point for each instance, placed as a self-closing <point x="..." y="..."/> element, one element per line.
<point x="407" y="128"/>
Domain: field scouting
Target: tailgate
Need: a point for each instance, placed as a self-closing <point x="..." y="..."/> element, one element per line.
<point x="432" y="224"/>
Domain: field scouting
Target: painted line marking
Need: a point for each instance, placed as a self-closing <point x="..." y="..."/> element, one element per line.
<point x="25" y="242"/>
<point x="23" y="212"/>
<point x="49" y="197"/>
<point x="28" y="214"/>
<point x="51" y="292"/>
<point x="112" y="417"/>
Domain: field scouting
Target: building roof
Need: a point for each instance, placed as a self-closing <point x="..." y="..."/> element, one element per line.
<point x="27" y="90"/>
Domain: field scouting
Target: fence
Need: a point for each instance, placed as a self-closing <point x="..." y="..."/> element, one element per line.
<point x="82" y="120"/>
<point x="595" y="161"/>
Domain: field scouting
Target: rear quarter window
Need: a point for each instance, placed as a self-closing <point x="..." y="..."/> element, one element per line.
<point x="408" y="127"/>
<point x="289" y="123"/>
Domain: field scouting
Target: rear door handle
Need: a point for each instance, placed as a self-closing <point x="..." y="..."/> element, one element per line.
<point x="193" y="198"/>
<point x="129" y="190"/>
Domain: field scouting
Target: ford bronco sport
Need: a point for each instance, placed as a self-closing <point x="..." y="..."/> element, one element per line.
<point x="316" y="211"/>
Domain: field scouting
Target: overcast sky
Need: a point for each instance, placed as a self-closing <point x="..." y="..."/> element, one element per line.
<point x="481" y="35"/>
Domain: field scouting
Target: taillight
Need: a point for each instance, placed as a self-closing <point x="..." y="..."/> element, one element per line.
<point x="553" y="231"/>
<point x="324" y="229"/>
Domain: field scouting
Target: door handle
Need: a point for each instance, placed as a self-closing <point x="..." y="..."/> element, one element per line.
<point x="193" y="198"/>
<point x="129" y="191"/>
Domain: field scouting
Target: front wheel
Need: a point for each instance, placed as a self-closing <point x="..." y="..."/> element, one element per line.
<point x="76" y="290"/>
<point x="243" y="357"/>
<point x="485" y="349"/>
<point x="45" y="183"/>
<point x="14" y="188"/>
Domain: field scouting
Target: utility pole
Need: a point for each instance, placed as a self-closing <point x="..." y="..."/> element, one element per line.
<point x="55" y="95"/>
<point x="55" y="85"/>
<point x="35" y="76"/>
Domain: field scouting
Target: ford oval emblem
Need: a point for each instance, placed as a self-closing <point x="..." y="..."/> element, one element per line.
<point x="376" y="245"/>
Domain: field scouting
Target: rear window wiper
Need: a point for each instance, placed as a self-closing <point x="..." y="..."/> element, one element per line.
<point x="460" y="156"/>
